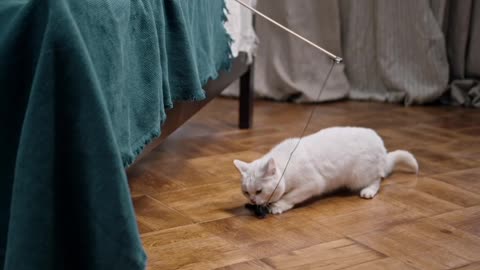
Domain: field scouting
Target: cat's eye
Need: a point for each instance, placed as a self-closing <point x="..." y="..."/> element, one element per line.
<point x="259" y="191"/>
<point x="245" y="192"/>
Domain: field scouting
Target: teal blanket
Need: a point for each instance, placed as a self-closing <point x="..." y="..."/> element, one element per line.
<point x="84" y="85"/>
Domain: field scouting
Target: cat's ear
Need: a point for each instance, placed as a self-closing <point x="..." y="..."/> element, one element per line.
<point x="270" y="168"/>
<point x="241" y="166"/>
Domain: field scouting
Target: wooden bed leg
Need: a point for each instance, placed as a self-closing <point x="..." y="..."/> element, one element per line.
<point x="246" y="99"/>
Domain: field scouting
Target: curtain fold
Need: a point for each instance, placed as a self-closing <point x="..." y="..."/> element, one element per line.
<point x="408" y="51"/>
<point x="394" y="51"/>
<point x="463" y="40"/>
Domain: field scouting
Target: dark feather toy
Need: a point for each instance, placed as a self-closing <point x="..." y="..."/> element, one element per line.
<point x="260" y="211"/>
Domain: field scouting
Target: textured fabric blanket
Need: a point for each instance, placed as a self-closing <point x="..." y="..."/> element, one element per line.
<point x="83" y="87"/>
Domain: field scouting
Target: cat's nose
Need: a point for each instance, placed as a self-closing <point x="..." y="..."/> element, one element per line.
<point x="253" y="200"/>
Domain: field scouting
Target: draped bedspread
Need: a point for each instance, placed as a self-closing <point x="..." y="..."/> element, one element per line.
<point x="84" y="85"/>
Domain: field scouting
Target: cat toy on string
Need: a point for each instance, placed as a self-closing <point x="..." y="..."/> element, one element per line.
<point x="261" y="211"/>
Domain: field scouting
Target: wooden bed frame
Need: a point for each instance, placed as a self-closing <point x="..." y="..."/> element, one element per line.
<point x="183" y="111"/>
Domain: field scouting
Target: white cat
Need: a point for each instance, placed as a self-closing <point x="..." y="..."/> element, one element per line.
<point x="332" y="158"/>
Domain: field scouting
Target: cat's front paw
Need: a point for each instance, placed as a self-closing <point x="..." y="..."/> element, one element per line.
<point x="279" y="207"/>
<point x="367" y="193"/>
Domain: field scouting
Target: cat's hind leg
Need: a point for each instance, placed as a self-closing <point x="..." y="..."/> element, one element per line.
<point x="370" y="191"/>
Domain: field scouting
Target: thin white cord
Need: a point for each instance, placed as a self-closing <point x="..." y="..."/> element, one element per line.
<point x="337" y="59"/>
<point x="304" y="130"/>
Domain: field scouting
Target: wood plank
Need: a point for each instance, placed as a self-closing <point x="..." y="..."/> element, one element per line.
<point x="425" y="244"/>
<point x="251" y="265"/>
<point x="472" y="266"/>
<point x="223" y="164"/>
<point x="154" y="216"/>
<point x="363" y="221"/>
<point x="190" y="247"/>
<point x="415" y="200"/>
<point x="427" y="222"/>
<point x="337" y="254"/>
<point x="447" y="192"/>
<point x="206" y="202"/>
<point x="466" y="179"/>
<point x="382" y="264"/>
<point x="467" y="219"/>
<point x="263" y="238"/>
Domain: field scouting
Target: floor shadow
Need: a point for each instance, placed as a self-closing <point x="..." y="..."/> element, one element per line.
<point x="238" y="210"/>
<point x="344" y="192"/>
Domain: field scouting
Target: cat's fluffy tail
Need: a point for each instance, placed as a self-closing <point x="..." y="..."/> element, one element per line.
<point x="400" y="156"/>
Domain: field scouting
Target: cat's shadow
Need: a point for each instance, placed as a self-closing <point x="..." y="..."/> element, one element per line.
<point x="344" y="192"/>
<point x="240" y="210"/>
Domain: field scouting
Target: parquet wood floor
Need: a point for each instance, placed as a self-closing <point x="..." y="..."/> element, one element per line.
<point x="190" y="209"/>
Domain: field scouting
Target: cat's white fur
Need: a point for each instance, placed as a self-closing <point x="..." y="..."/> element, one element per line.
<point x="332" y="158"/>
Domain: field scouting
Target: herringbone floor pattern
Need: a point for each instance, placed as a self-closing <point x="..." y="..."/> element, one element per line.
<point x="190" y="208"/>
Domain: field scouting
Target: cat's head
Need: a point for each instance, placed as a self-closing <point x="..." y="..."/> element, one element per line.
<point x="259" y="179"/>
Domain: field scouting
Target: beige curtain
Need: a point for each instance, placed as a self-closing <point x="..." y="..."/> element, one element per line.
<point x="394" y="50"/>
<point x="286" y="67"/>
<point x="462" y="30"/>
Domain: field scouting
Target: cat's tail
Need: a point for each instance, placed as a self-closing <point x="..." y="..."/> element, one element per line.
<point x="403" y="157"/>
